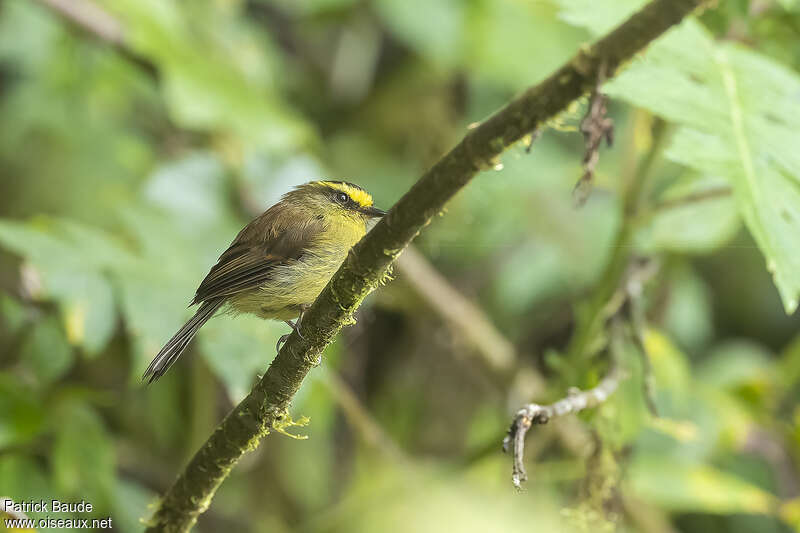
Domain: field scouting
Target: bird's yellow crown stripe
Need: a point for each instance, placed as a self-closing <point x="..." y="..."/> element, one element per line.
<point x="360" y="196"/>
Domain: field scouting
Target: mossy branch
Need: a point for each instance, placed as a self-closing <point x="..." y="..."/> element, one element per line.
<point x="266" y="407"/>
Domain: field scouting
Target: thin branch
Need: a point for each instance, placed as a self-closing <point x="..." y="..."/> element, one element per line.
<point x="89" y="17"/>
<point x="368" y="263"/>
<point x="92" y="19"/>
<point x="497" y="352"/>
<point x="629" y="301"/>
<point x="360" y="418"/>
<point x="695" y="197"/>
<point x="533" y="413"/>
<point x="618" y="293"/>
<point x="634" y="289"/>
<point x="621" y="308"/>
<point x="593" y="315"/>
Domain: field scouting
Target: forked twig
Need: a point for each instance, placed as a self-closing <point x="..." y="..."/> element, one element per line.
<point x="533" y="413"/>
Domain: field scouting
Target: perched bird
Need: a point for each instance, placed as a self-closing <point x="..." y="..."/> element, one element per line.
<point x="278" y="264"/>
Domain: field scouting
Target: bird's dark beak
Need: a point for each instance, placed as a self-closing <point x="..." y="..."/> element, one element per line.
<point x="372" y="212"/>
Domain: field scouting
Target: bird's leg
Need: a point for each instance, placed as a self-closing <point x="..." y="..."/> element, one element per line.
<point x="303" y="309"/>
<point x="281" y="340"/>
<point x="295" y="325"/>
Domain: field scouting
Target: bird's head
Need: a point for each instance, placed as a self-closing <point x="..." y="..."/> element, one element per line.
<point x="336" y="198"/>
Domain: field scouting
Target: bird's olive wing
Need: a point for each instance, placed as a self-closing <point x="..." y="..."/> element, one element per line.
<point x="250" y="260"/>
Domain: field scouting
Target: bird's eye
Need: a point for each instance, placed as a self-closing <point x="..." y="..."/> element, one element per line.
<point x="342" y="198"/>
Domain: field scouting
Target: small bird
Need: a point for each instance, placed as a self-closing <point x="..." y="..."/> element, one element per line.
<point x="278" y="264"/>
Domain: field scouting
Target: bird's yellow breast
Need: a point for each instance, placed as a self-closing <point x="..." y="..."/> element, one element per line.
<point x="298" y="282"/>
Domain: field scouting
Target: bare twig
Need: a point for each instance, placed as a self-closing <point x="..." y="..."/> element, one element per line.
<point x="595" y="127"/>
<point x="594" y="312"/>
<point x="622" y="306"/>
<point x="628" y="301"/>
<point x="695" y="197"/>
<point x="575" y="401"/>
<point x="634" y="289"/>
<point x="531" y="138"/>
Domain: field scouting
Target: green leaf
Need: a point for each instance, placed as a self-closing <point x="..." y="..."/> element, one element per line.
<point x="21" y="479"/>
<point x="736" y="363"/>
<point x="131" y="504"/>
<point x="434" y="29"/>
<point x="623" y="416"/>
<point x="154" y="309"/>
<point x="735" y="127"/>
<point x="177" y="247"/>
<point x="238" y="349"/>
<point x="737" y="112"/>
<point x="21" y="415"/>
<point x="548" y="246"/>
<point x="46" y="351"/>
<point x="686" y="221"/>
<point x="88" y="311"/>
<point x="83" y="455"/>
<point x="688" y="313"/>
<point x="670" y="365"/>
<point x="683" y="487"/>
<point x="73" y="260"/>
<point x="214" y="77"/>
<point x="599" y="17"/>
<point x="193" y="189"/>
<point x="502" y="50"/>
<point x="789" y="365"/>
<point x="12" y="315"/>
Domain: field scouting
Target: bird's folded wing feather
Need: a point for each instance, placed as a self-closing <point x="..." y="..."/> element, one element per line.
<point x="250" y="260"/>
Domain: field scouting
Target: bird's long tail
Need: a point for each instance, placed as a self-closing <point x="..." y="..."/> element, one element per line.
<point x="177" y="344"/>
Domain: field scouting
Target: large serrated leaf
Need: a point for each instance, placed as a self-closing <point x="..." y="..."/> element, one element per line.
<point x="735" y="108"/>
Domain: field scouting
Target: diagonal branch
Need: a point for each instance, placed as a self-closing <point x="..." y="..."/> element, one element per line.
<point x="367" y="265"/>
<point x="95" y="21"/>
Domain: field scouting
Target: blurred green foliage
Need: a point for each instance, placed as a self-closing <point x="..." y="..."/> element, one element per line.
<point x="124" y="172"/>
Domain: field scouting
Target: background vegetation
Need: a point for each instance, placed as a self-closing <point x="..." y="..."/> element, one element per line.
<point x="126" y="167"/>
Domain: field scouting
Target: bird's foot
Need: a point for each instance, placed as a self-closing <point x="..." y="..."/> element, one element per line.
<point x="281" y="340"/>
<point x="303" y="309"/>
<point x="295" y="325"/>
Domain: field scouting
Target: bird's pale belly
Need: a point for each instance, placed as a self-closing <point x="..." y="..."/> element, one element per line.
<point x="291" y="286"/>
